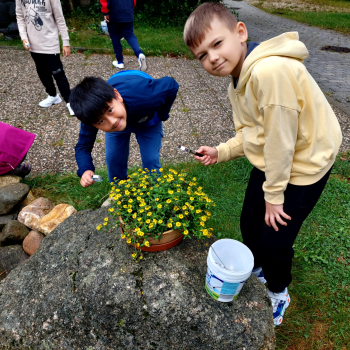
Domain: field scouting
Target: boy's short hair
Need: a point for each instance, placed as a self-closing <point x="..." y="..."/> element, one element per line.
<point x="200" y="19"/>
<point x="90" y="99"/>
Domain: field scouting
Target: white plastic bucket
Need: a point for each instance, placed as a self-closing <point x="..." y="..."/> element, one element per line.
<point x="104" y="26"/>
<point x="230" y="263"/>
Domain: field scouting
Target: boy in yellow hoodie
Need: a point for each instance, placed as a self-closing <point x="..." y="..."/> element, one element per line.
<point x="284" y="126"/>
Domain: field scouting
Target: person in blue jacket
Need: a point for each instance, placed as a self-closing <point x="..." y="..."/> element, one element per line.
<point x="119" y="15"/>
<point x="129" y="102"/>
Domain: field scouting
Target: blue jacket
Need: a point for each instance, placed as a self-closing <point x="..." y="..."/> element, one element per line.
<point x="148" y="101"/>
<point x="119" y="11"/>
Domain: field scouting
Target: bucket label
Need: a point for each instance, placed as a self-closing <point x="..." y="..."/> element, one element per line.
<point x="221" y="290"/>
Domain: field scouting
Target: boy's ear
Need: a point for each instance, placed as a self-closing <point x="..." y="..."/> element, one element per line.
<point x="118" y="96"/>
<point x="242" y="32"/>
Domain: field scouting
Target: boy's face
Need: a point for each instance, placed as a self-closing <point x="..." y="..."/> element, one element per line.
<point x="115" y="117"/>
<point x="222" y="51"/>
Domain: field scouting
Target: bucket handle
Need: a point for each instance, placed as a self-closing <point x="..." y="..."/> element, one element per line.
<point x="223" y="265"/>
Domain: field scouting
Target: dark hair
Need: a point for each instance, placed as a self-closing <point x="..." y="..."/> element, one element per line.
<point x="89" y="99"/>
<point x="199" y="22"/>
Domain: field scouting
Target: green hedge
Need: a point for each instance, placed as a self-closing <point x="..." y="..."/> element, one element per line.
<point x="155" y="13"/>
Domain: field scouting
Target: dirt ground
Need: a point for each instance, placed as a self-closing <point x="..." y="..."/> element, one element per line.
<point x="296" y="5"/>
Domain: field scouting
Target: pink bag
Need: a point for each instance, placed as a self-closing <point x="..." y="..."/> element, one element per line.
<point x="14" y="145"/>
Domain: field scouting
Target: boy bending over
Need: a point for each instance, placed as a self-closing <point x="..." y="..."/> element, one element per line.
<point x="285" y="127"/>
<point x="129" y="102"/>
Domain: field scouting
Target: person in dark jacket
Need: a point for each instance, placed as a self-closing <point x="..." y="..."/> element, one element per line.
<point x="130" y="102"/>
<point x="119" y="15"/>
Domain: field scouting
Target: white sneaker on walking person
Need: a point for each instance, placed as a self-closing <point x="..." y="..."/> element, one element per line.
<point x="280" y="301"/>
<point x="118" y="65"/>
<point x="50" y="100"/>
<point x="142" y="62"/>
<point x="71" y="112"/>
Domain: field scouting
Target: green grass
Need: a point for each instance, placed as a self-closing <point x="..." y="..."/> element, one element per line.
<point x="327" y="20"/>
<point x="153" y="41"/>
<point x="319" y="315"/>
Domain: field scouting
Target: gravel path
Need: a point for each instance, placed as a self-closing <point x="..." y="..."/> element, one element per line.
<point x="200" y="115"/>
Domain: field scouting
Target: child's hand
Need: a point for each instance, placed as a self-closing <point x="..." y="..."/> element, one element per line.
<point x="85" y="180"/>
<point x="25" y="41"/>
<point x="210" y="155"/>
<point x="273" y="214"/>
<point x="66" y="51"/>
<point x="106" y="18"/>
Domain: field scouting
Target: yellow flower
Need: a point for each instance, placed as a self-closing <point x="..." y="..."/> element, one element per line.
<point x="142" y="210"/>
<point x="147" y="244"/>
<point x="128" y="240"/>
<point x="138" y="219"/>
<point x="161" y="169"/>
<point x="106" y="219"/>
<point x="133" y="255"/>
<point x="170" y="192"/>
<point x="198" y="211"/>
<point x="191" y="198"/>
<point x="178" y="224"/>
<point x="191" y="207"/>
<point x="149" y="213"/>
<point x="105" y="223"/>
<point x="98" y="227"/>
<point x="205" y="232"/>
<point x="138" y="198"/>
<point x="186" y="232"/>
<point x="122" y="236"/>
<point x="134" y="216"/>
<point x="186" y="212"/>
<point x="130" y="200"/>
<point x="141" y="233"/>
<point x="170" y="224"/>
<point x="127" y="192"/>
<point x="181" y="216"/>
<point x="151" y="225"/>
<point x="141" y="257"/>
<point x="117" y="190"/>
<point x="125" y="206"/>
<point x="148" y="221"/>
<point x="160" y="221"/>
<point x="194" y="179"/>
<point x="159" y="206"/>
<point x="129" y="210"/>
<point x="202" y="223"/>
<point x="111" y="210"/>
<point x="137" y="245"/>
<point x="119" y="202"/>
<point x="184" y="207"/>
<point x="168" y="201"/>
<point x="176" y="208"/>
<point x="204" y="218"/>
<point x="154" y="221"/>
<point x="157" y="199"/>
<point x="137" y="229"/>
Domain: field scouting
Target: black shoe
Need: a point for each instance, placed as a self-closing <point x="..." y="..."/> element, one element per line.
<point x="21" y="170"/>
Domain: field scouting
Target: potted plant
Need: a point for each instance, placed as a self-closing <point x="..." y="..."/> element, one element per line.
<point x="157" y="210"/>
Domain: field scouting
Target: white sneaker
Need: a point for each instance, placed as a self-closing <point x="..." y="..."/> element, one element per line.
<point x="118" y="65"/>
<point x="49" y="101"/>
<point x="280" y="301"/>
<point x="259" y="273"/>
<point x="71" y="112"/>
<point x="142" y="62"/>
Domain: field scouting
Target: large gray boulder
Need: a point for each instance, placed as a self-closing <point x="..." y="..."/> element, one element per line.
<point x="11" y="195"/>
<point x="82" y="290"/>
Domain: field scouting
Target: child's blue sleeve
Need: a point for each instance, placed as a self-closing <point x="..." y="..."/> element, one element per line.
<point x="83" y="148"/>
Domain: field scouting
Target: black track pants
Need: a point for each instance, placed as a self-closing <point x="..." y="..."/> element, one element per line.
<point x="273" y="250"/>
<point x="48" y="66"/>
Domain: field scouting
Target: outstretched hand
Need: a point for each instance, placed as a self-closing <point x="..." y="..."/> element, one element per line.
<point x="275" y="213"/>
<point x="210" y="155"/>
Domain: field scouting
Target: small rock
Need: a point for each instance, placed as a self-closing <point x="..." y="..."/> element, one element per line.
<point x="5" y="219"/>
<point x="9" y="179"/>
<point x="32" y="242"/>
<point x="29" y="199"/>
<point x="56" y="216"/>
<point x="11" y="195"/>
<point x="32" y="213"/>
<point x="10" y="256"/>
<point x="13" y="233"/>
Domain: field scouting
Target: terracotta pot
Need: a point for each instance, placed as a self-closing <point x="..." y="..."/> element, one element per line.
<point x="169" y="239"/>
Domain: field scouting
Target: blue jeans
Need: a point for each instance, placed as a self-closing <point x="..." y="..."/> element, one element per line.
<point x="117" y="149"/>
<point x="117" y="31"/>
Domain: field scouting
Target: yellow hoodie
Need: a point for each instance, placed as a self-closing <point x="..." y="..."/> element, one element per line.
<point x="284" y="124"/>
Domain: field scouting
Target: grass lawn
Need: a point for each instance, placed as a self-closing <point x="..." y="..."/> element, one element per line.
<point x="319" y="315"/>
<point x="85" y="32"/>
<point x="328" y="14"/>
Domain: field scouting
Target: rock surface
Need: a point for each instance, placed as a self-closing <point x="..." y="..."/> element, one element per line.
<point x="10" y="257"/>
<point x="32" y="213"/>
<point x="10" y="195"/>
<point x="13" y="233"/>
<point x="32" y="242"/>
<point x="90" y="294"/>
<point x="5" y="219"/>
<point x="29" y="199"/>
<point x="9" y="179"/>
<point x="56" y="216"/>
